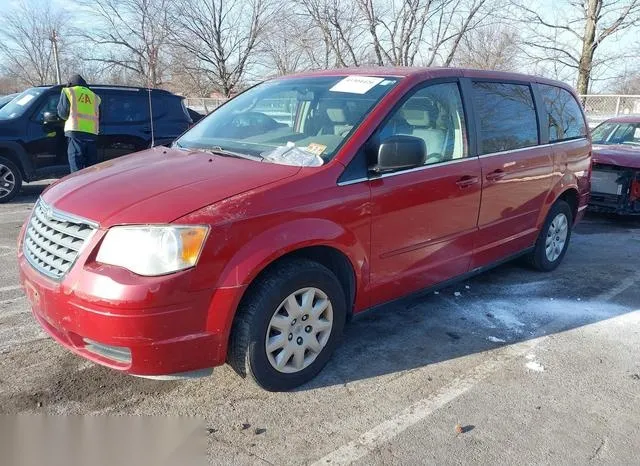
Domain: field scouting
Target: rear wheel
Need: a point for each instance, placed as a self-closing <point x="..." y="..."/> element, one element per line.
<point x="553" y="240"/>
<point x="288" y="325"/>
<point x="10" y="180"/>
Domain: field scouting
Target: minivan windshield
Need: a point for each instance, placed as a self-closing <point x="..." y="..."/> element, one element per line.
<point x="20" y="103"/>
<point x="295" y="121"/>
<point x="617" y="133"/>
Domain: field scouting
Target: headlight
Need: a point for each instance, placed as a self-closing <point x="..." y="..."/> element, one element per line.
<point x="153" y="250"/>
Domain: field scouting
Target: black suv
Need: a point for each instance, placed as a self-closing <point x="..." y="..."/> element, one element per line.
<point x="32" y="141"/>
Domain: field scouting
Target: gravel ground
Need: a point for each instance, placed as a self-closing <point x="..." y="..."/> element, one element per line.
<point x="533" y="368"/>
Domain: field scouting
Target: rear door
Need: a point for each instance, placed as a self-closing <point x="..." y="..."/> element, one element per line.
<point x="124" y="122"/>
<point x="516" y="170"/>
<point x="424" y="219"/>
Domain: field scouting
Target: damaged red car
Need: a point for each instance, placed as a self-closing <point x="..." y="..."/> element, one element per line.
<point x="615" y="183"/>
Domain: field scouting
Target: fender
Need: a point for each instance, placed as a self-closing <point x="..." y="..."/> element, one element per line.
<point x="270" y="245"/>
<point x="16" y="153"/>
<point x="567" y="181"/>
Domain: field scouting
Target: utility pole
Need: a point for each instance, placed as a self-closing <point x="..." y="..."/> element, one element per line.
<point x="54" y="41"/>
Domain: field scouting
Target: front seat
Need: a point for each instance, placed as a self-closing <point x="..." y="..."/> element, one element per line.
<point x="336" y="119"/>
<point x="422" y="127"/>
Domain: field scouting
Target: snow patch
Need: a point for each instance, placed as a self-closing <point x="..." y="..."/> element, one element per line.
<point x="535" y="366"/>
<point x="496" y="340"/>
<point x="457" y="293"/>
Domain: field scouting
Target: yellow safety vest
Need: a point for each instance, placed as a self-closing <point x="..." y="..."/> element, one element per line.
<point x="84" y="113"/>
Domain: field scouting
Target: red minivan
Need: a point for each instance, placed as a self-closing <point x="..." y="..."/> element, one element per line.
<point x="298" y="203"/>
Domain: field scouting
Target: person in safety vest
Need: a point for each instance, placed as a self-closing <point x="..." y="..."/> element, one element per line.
<point x="80" y="107"/>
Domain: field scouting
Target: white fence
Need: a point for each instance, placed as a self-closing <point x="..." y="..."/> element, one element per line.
<point x="598" y="107"/>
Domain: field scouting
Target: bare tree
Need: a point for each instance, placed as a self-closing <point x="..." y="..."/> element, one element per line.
<point x="221" y="35"/>
<point x="573" y="41"/>
<point x="130" y="35"/>
<point x="490" y="48"/>
<point x="25" y="45"/>
<point x="340" y="27"/>
<point x="292" y="44"/>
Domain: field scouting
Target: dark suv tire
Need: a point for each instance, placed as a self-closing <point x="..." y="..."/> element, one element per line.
<point x="288" y="325"/>
<point x="553" y="240"/>
<point x="10" y="180"/>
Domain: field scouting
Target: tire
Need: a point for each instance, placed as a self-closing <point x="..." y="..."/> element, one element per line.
<point x="10" y="180"/>
<point x="542" y="258"/>
<point x="266" y="308"/>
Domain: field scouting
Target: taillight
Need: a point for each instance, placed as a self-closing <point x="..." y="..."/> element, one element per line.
<point x="634" y="193"/>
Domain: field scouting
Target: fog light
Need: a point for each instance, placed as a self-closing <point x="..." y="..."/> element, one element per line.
<point x="114" y="353"/>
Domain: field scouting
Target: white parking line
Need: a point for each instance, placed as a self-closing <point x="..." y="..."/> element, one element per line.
<point x="10" y="288"/>
<point x="384" y="432"/>
<point x="622" y="286"/>
<point x="419" y="411"/>
<point x="12" y="212"/>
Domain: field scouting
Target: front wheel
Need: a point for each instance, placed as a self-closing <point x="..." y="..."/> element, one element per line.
<point x="288" y="325"/>
<point x="553" y="240"/>
<point x="10" y="180"/>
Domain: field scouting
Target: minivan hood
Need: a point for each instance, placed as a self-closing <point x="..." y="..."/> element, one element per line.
<point x="158" y="185"/>
<point x="619" y="155"/>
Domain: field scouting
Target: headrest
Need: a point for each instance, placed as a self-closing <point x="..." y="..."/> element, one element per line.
<point x="416" y="117"/>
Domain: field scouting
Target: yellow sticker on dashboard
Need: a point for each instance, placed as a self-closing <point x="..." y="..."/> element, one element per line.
<point x="316" y="149"/>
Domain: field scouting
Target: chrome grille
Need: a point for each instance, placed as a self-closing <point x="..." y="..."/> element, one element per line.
<point x="53" y="240"/>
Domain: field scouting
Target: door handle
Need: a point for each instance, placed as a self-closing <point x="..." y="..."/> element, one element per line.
<point x="467" y="181"/>
<point x="496" y="175"/>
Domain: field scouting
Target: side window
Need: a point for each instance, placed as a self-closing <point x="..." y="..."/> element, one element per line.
<point x="125" y="107"/>
<point x="435" y="115"/>
<point x="563" y="114"/>
<point x="506" y="115"/>
<point x="50" y="105"/>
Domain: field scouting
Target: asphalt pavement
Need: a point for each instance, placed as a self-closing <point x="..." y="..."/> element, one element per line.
<point x="513" y="366"/>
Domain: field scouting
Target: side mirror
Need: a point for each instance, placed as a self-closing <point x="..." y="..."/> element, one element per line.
<point x="400" y="152"/>
<point x="49" y="118"/>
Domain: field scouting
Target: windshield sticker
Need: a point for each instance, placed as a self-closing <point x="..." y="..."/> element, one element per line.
<point x="316" y="149"/>
<point x="356" y="84"/>
<point x="386" y="82"/>
<point x="25" y="100"/>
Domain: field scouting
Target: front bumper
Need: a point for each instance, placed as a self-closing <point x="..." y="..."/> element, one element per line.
<point x="141" y="330"/>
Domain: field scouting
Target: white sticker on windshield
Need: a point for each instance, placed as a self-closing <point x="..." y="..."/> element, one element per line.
<point x="25" y="100"/>
<point x="356" y="84"/>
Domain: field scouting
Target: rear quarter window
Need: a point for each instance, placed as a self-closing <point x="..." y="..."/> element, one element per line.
<point x="169" y="106"/>
<point x="564" y="116"/>
<point x="125" y="107"/>
<point x="506" y="116"/>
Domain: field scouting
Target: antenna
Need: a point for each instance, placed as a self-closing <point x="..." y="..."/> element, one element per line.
<point x="153" y="139"/>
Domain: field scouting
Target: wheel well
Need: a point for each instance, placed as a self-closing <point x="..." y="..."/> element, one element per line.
<point x="9" y="154"/>
<point x="331" y="258"/>
<point x="571" y="197"/>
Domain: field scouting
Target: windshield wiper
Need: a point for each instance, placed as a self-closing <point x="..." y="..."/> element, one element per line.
<point x="217" y="150"/>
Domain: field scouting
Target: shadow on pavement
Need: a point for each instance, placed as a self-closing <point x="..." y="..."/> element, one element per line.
<point x="507" y="305"/>
<point x="31" y="191"/>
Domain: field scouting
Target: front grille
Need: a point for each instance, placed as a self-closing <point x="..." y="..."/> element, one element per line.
<point x="53" y="240"/>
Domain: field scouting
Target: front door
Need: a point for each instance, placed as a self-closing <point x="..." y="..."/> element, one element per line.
<point x="47" y="144"/>
<point x="424" y="219"/>
<point x="516" y="171"/>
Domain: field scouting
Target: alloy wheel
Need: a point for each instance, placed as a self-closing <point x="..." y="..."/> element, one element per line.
<point x="7" y="181"/>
